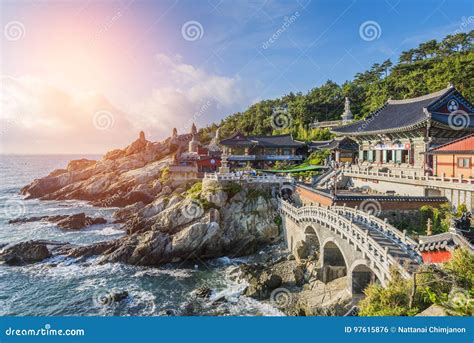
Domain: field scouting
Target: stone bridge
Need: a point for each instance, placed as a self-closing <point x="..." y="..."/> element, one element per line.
<point x="350" y="242"/>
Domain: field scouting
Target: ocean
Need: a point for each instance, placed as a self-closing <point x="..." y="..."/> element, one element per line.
<point x="62" y="286"/>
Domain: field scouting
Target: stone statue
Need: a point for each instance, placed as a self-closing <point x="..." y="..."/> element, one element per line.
<point x="347" y="115"/>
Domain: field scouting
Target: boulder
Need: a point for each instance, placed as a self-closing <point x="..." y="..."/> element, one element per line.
<point x="25" y="253"/>
<point x="73" y="222"/>
<point x="203" y="292"/>
<point x="298" y="273"/>
<point x="119" y="295"/>
<point x="156" y="187"/>
<point x="131" y="198"/>
<point x="76" y="165"/>
<point x="78" y="221"/>
<point x="302" y="250"/>
<point x="261" y="286"/>
<point x="41" y="187"/>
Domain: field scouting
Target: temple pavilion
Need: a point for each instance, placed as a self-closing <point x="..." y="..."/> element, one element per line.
<point x="399" y="133"/>
<point x="261" y="151"/>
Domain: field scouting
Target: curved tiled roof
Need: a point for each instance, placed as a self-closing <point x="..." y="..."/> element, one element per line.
<point x="337" y="143"/>
<point x="277" y="140"/>
<point x="400" y="115"/>
<point x="239" y="139"/>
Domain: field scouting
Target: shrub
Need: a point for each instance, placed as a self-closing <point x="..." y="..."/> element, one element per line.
<point x="390" y="301"/>
<point x="195" y="190"/>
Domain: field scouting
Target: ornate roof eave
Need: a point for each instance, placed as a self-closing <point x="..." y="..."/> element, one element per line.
<point x="412" y="127"/>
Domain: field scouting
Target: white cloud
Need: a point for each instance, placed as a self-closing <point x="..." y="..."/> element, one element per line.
<point x="189" y="94"/>
<point x="37" y="117"/>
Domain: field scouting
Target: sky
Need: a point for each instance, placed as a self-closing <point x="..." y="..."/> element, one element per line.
<point x="86" y="76"/>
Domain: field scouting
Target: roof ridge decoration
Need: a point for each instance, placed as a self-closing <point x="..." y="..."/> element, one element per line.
<point x="421" y="98"/>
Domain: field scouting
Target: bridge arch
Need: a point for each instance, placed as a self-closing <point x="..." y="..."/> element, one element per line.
<point x="361" y="275"/>
<point x="334" y="263"/>
<point x="332" y="254"/>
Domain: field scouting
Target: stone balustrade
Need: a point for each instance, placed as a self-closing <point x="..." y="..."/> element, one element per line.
<point x="414" y="178"/>
<point x="247" y="178"/>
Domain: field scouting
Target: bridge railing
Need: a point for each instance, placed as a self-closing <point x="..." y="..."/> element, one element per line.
<point x="248" y="178"/>
<point x="359" y="237"/>
<point x="380" y="224"/>
<point x="400" y="175"/>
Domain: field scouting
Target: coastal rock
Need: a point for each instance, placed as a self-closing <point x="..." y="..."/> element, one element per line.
<point x="203" y="292"/>
<point x="25" y="253"/>
<point x="76" y="165"/>
<point x="70" y="222"/>
<point x="302" y="250"/>
<point x="156" y="187"/>
<point x="132" y="198"/>
<point x="119" y="296"/>
<point x="73" y="222"/>
<point x="127" y="212"/>
<point x="111" y="181"/>
<point x="180" y="229"/>
<point x="261" y="286"/>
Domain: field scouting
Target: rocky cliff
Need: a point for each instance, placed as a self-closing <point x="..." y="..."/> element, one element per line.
<point x="121" y="177"/>
<point x="164" y="222"/>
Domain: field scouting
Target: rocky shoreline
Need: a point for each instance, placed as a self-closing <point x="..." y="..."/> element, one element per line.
<point x="164" y="221"/>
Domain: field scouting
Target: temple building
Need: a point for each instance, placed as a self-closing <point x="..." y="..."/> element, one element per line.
<point x="399" y="133"/>
<point x="192" y="156"/>
<point x="454" y="159"/>
<point x="261" y="151"/>
<point x="342" y="149"/>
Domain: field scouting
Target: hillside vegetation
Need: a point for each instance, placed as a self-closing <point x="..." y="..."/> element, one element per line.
<point x="419" y="71"/>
